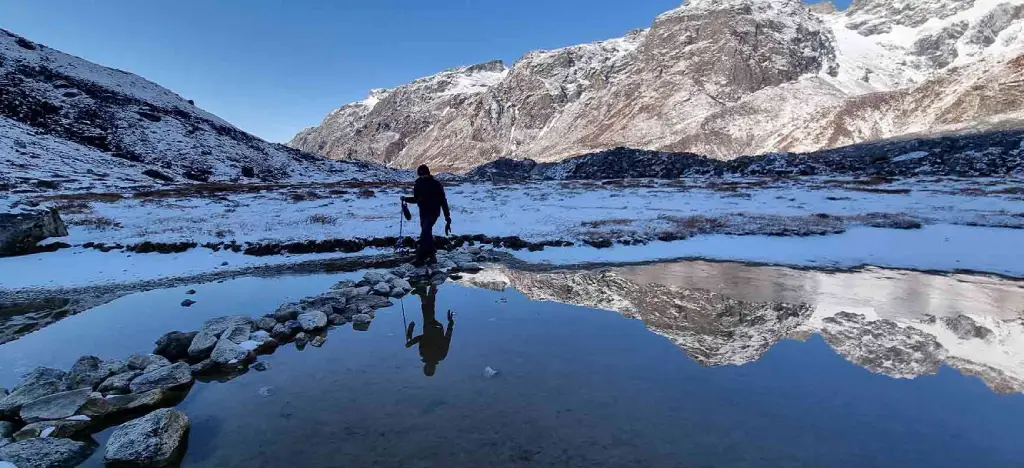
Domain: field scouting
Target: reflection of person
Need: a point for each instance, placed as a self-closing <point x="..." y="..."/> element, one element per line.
<point x="434" y="341"/>
<point x="429" y="195"/>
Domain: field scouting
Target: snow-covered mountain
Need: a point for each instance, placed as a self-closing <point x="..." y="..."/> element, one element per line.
<point x="715" y="329"/>
<point x="721" y="78"/>
<point x="70" y="124"/>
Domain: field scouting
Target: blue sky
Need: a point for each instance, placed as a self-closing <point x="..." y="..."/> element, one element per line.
<point x="272" y="67"/>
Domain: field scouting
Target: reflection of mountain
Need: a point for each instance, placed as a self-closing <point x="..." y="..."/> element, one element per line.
<point x="866" y="329"/>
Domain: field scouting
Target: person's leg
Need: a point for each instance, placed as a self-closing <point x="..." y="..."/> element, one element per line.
<point x="426" y="245"/>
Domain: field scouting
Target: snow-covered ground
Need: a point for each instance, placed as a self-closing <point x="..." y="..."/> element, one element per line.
<point x="967" y="224"/>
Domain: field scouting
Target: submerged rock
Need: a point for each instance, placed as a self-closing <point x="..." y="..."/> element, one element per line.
<point x="175" y="375"/>
<point x="50" y="452"/>
<point x="311" y="321"/>
<point x="174" y="345"/>
<point x="228" y="352"/>
<point x="156" y="439"/>
<point x="260" y="366"/>
<point x="56" y="406"/>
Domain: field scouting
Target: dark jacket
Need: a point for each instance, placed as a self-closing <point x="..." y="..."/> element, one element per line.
<point x="429" y="195"/>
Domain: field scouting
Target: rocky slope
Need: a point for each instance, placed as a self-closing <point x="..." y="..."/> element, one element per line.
<point x="66" y="123"/>
<point x="719" y="78"/>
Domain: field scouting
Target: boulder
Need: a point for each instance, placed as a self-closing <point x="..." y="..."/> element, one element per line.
<point x="174" y="345"/>
<point x="228" y="352"/>
<point x="119" y="383"/>
<point x="301" y="339"/>
<point x="146" y="361"/>
<point x="202" y="345"/>
<point x="175" y="375"/>
<point x="280" y="332"/>
<point x="6" y="429"/>
<point x="333" y="298"/>
<point x="344" y="284"/>
<point x="40" y="375"/>
<point x="318" y="341"/>
<point x="266" y="323"/>
<point x="287" y="312"/>
<point x="358" y="304"/>
<point x="237" y="333"/>
<point x="400" y="283"/>
<point x="87" y="372"/>
<point x="315" y="320"/>
<point x="373" y="277"/>
<point x="398" y="293"/>
<point x="115" y="404"/>
<point x="217" y="326"/>
<point x="382" y="289"/>
<point x="156" y="439"/>
<point x="293" y="326"/>
<point x="20" y="232"/>
<point x="470" y="267"/>
<point x="361" y="319"/>
<point x="23" y="394"/>
<point x="337" y="319"/>
<point x="203" y="367"/>
<point x="65" y="428"/>
<point x="49" y="452"/>
<point x="56" y="406"/>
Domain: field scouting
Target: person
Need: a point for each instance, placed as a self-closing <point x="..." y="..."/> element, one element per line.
<point x="428" y="194"/>
<point x="435" y="341"/>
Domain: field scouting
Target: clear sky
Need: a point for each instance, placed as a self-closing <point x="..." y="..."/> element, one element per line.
<point x="272" y="67"/>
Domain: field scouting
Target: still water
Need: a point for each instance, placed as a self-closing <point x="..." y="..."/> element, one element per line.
<point x="689" y="364"/>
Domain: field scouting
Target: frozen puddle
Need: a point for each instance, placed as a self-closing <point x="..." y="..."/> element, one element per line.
<point x="678" y="364"/>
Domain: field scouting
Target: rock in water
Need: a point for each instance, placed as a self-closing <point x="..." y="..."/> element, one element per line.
<point x="382" y="289"/>
<point x="301" y="339"/>
<point x="112" y="405"/>
<point x="119" y="383"/>
<point x="237" y="333"/>
<point x="13" y="402"/>
<point x="156" y="439"/>
<point x="203" y="366"/>
<point x="20" y="232"/>
<point x="56" y="406"/>
<point x="174" y="345"/>
<point x="188" y="303"/>
<point x="373" y="277"/>
<point x="175" y="375"/>
<point x="218" y="325"/>
<point x="144" y="361"/>
<point x="337" y="319"/>
<point x="317" y="341"/>
<point x="65" y="428"/>
<point x="87" y="372"/>
<point x="287" y="312"/>
<point x="313" y="320"/>
<point x="202" y="345"/>
<point x="361" y="319"/>
<point x="50" y="452"/>
<point x="260" y="366"/>
<point x="293" y="326"/>
<point x="228" y="352"/>
<point x="266" y="323"/>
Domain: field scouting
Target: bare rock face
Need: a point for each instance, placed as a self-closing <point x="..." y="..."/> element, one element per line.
<point x="19" y="232"/>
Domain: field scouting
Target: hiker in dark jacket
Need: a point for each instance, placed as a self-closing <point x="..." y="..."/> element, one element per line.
<point x="429" y="195"/>
<point x="435" y="341"/>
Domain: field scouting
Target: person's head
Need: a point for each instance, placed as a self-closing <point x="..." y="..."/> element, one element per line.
<point x="423" y="170"/>
<point x="429" y="368"/>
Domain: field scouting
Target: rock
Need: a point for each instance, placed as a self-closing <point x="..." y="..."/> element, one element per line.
<point x="228" y="352"/>
<point x="361" y="319"/>
<point x="40" y="375"/>
<point x="237" y="333"/>
<point x="119" y="383"/>
<point x="20" y="232"/>
<point x="344" y="284"/>
<point x="293" y="326"/>
<point x="202" y="345"/>
<point x="489" y="372"/>
<point x="65" y="428"/>
<point x="175" y="375"/>
<point x="259" y="336"/>
<point x="219" y="325"/>
<point x="114" y="404"/>
<point x="446" y="265"/>
<point x="373" y="277"/>
<point x="260" y="366"/>
<point x="56" y="406"/>
<point x="287" y="312"/>
<point x="280" y="332"/>
<point x="144" y="361"/>
<point x="23" y="394"/>
<point x="439" y="278"/>
<point x="190" y="292"/>
<point x="470" y="267"/>
<point x="156" y="439"/>
<point x="398" y="293"/>
<point x="400" y="283"/>
<point x="249" y="345"/>
<point x="6" y="429"/>
<point x="174" y="345"/>
<point x="315" y="320"/>
<point x="301" y="339"/>
<point x="337" y="319"/>
<point x="187" y="303"/>
<point x="360" y="291"/>
<point x="318" y="341"/>
<point x="50" y="452"/>
<point x="87" y="372"/>
<point x="367" y="302"/>
<point x="266" y="323"/>
<point x="382" y="289"/>
<point x="333" y="298"/>
<point x="203" y="366"/>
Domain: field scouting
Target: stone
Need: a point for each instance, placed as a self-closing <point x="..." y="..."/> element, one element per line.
<point x="202" y="345"/>
<point x="318" y="341"/>
<point x="398" y="293"/>
<point x="287" y="312"/>
<point x="175" y="375"/>
<point x="361" y="291"/>
<point x="49" y="452"/>
<point x="358" y="303"/>
<point x="266" y="323"/>
<point x="382" y="289"/>
<point x="190" y="292"/>
<point x="470" y="267"/>
<point x="219" y="325"/>
<point x="373" y="277"/>
<point x="260" y="366"/>
<point x="6" y="429"/>
<point x="114" y="404"/>
<point x="315" y="320"/>
<point x="187" y="303"/>
<point x="65" y="428"/>
<point x="344" y="284"/>
<point x="56" y="406"/>
<point x="447" y="264"/>
<point x="119" y="383"/>
<point x="23" y="394"/>
<point x="87" y="372"/>
<point x="337" y="319"/>
<point x="174" y="345"/>
<point x="20" y="232"/>
<point x="237" y="333"/>
<point x="301" y="339"/>
<point x="361" y="319"/>
<point x="293" y="326"/>
<point x="144" y="361"/>
<point x="203" y="366"/>
<point x="249" y="345"/>
<point x="401" y="283"/>
<point x="156" y="439"/>
<point x="228" y="352"/>
<point x="332" y="298"/>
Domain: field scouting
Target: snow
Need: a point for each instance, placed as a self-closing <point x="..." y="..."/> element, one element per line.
<point x="476" y="82"/>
